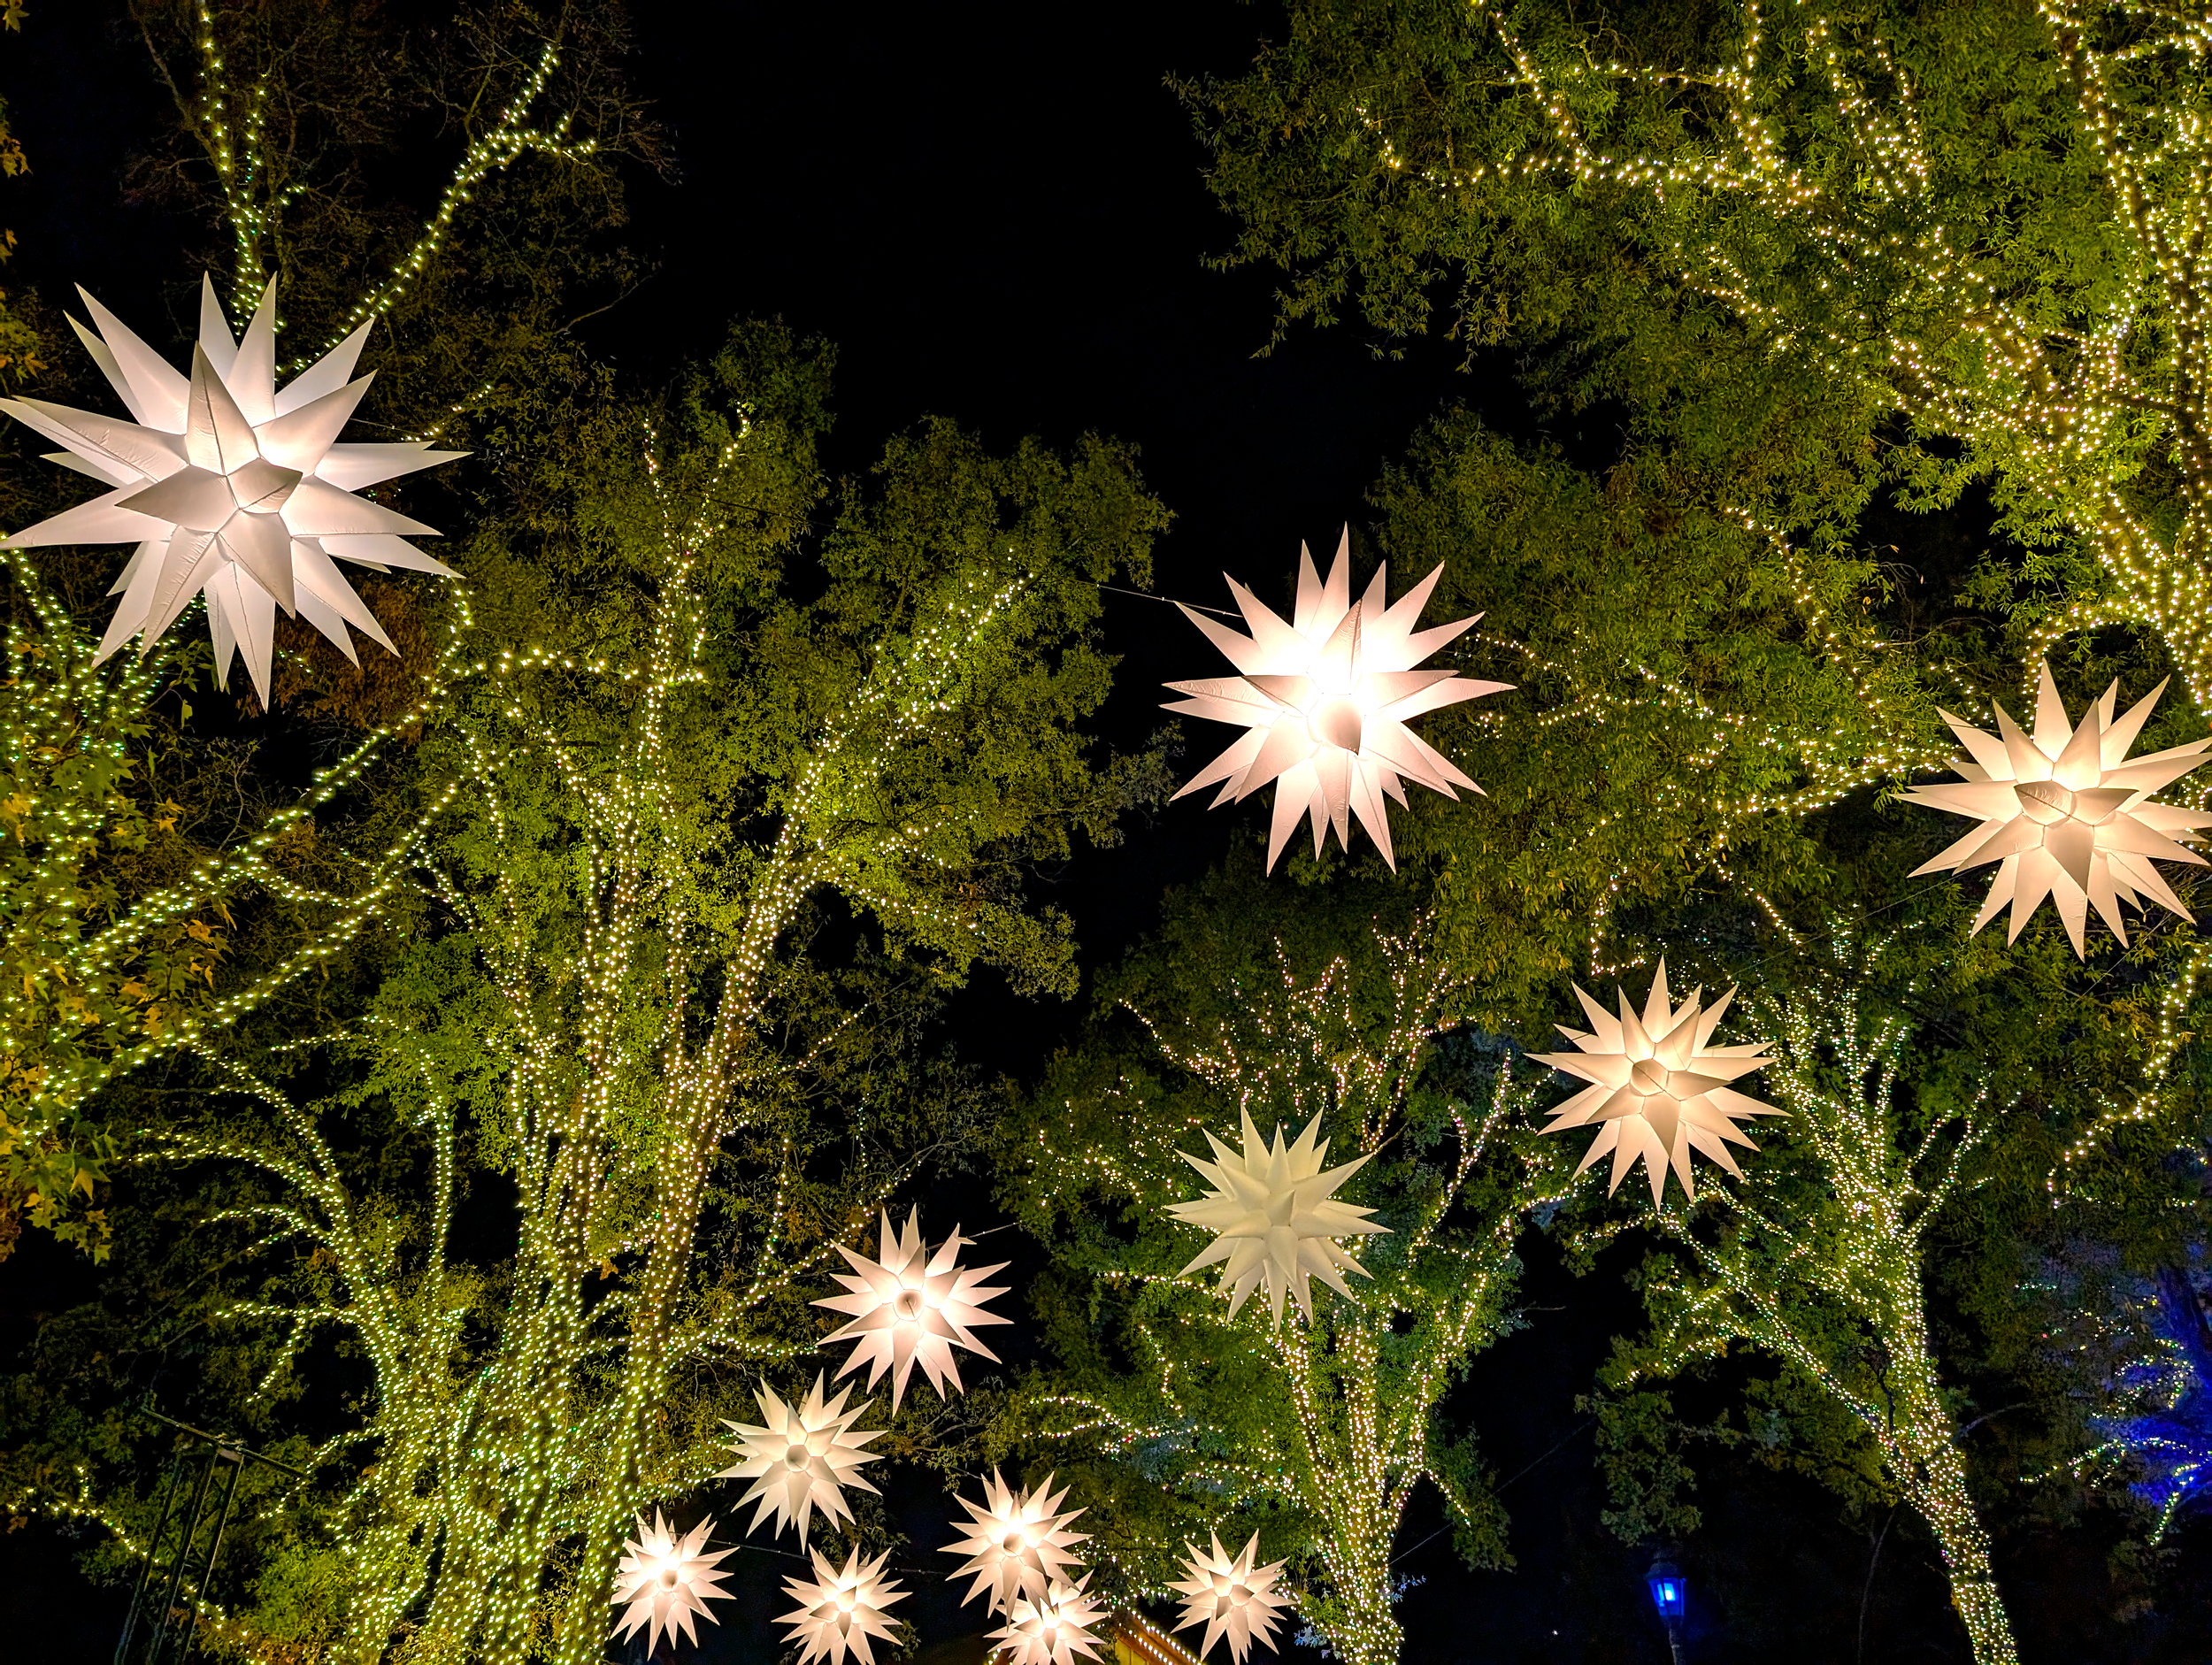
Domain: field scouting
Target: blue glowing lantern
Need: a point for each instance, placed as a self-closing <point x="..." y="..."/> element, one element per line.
<point x="1669" y="1591"/>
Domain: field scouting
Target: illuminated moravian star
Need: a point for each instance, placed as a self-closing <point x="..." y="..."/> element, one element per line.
<point x="1275" y="1218"/>
<point x="2067" y="814"/>
<point x="1053" y="1630"/>
<point x="839" y="1610"/>
<point x="1232" y="1596"/>
<point x="1017" y="1543"/>
<point x="664" y="1580"/>
<point x="913" y="1306"/>
<point x="801" y="1462"/>
<point x="1658" y="1086"/>
<point x="231" y="486"/>
<point x="1325" y="699"/>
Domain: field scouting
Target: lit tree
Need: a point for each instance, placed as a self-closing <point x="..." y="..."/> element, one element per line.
<point x="1819" y="1256"/>
<point x="643" y="819"/>
<point x="1977" y="229"/>
<point x="1177" y="1420"/>
<point x="141" y="913"/>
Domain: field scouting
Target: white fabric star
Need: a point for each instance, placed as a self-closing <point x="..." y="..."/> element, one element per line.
<point x="1326" y="698"/>
<point x="230" y="485"/>
<point x="802" y="1460"/>
<point x="1232" y="1596"/>
<point x="664" y="1580"/>
<point x="912" y="1307"/>
<point x="1017" y="1543"/>
<point x="1274" y="1213"/>
<point x="2066" y="814"/>
<point x="1659" y="1089"/>
<point x="1053" y="1630"/>
<point x="839" y="1610"/>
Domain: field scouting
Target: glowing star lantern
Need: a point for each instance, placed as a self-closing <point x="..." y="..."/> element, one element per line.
<point x="1275" y="1217"/>
<point x="1232" y="1596"/>
<point x="664" y="1580"/>
<point x="912" y="1305"/>
<point x="1054" y="1629"/>
<point x="1017" y="1543"/>
<point x="1658" y="1086"/>
<point x="801" y="1463"/>
<point x="840" y="1611"/>
<point x="231" y="486"/>
<point x="1325" y="699"/>
<point x="2066" y="815"/>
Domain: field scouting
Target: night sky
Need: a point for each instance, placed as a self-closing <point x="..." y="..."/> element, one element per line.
<point x="997" y="214"/>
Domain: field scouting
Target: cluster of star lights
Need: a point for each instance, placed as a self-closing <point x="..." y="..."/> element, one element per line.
<point x="2066" y="814"/>
<point x="1324" y="700"/>
<point x="232" y="488"/>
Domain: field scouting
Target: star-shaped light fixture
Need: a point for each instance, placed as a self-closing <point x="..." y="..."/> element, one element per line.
<point x="2066" y="814"/>
<point x="1275" y="1216"/>
<point x="231" y="486"/>
<point x="1325" y="699"/>
<point x="912" y="1305"/>
<point x="1053" y="1630"/>
<point x="840" y="1609"/>
<point x="664" y="1580"/>
<point x="1017" y="1543"/>
<point x="1659" y="1088"/>
<point x="1233" y="1597"/>
<point x="801" y="1462"/>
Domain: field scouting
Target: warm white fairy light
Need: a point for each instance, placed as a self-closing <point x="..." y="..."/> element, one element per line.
<point x="665" y="1579"/>
<point x="1658" y="1086"/>
<point x="2067" y="814"/>
<point x="1275" y="1216"/>
<point x="801" y="1458"/>
<point x="912" y="1305"/>
<point x="231" y="486"/>
<point x="1325" y="699"/>
<point x="1017" y="1543"/>
<point x="1232" y="1596"/>
<point x="840" y="1609"/>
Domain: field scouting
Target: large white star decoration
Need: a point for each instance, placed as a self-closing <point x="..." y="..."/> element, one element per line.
<point x="802" y="1460"/>
<point x="1659" y="1088"/>
<point x="1232" y="1596"/>
<point x="1053" y="1630"/>
<point x="1275" y="1216"/>
<point x="912" y="1305"/>
<point x="839" y="1610"/>
<point x="2066" y="814"/>
<point x="1017" y="1542"/>
<point x="664" y="1580"/>
<point x="231" y="486"/>
<point x="1325" y="699"/>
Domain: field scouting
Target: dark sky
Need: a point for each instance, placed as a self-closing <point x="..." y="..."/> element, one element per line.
<point x="996" y="212"/>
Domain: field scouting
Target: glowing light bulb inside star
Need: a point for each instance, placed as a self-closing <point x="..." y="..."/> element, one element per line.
<point x="912" y="1305"/>
<point x="1017" y="1543"/>
<point x="1055" y="1628"/>
<point x="1275" y="1216"/>
<point x="232" y="488"/>
<point x="1325" y="699"/>
<point x="2067" y="814"/>
<point x="664" y="1580"/>
<point x="801" y="1458"/>
<point x="840" y="1609"/>
<point x="1231" y="1596"/>
<point x="1658" y="1086"/>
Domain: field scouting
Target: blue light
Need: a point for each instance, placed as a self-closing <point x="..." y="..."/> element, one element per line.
<point x="1669" y="1589"/>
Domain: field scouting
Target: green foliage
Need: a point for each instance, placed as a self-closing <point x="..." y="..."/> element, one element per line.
<point x="1175" y="1419"/>
<point x="1947" y="225"/>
